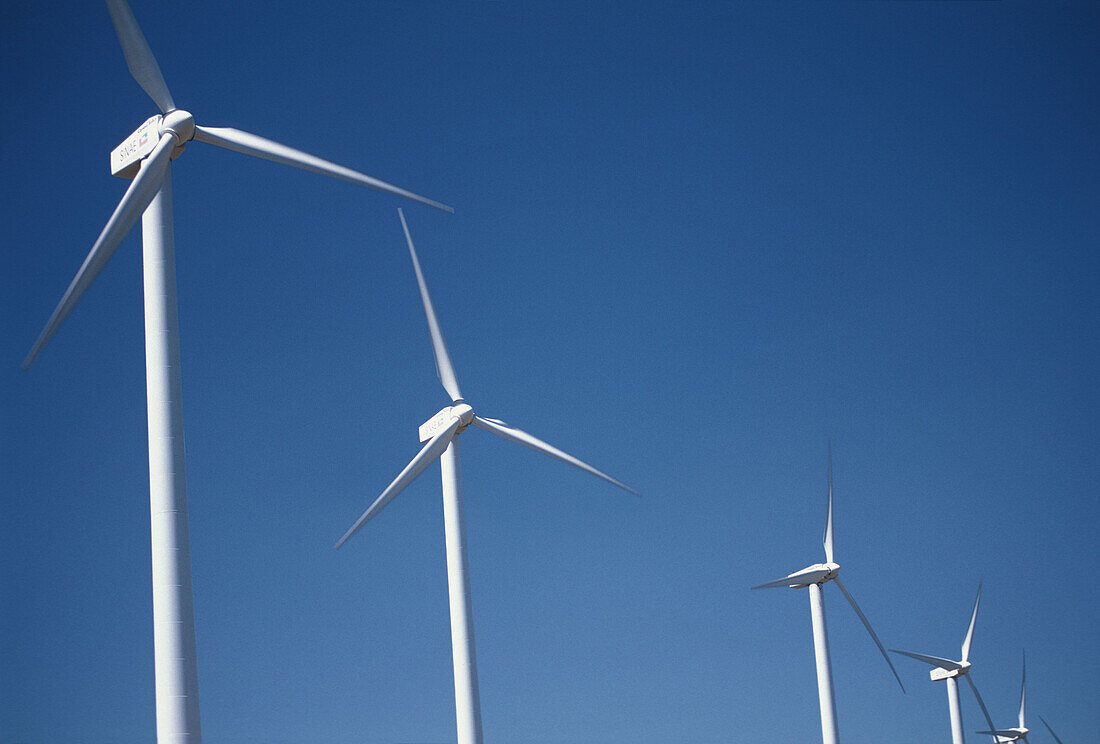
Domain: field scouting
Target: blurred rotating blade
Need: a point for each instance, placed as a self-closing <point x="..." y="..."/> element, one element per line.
<point x="828" y="539"/>
<point x="981" y="703"/>
<point x="789" y="581"/>
<point x="251" y="144"/>
<point x="867" y="625"/>
<point x="970" y="630"/>
<point x="1050" y="730"/>
<point x="507" y="431"/>
<point x="935" y="661"/>
<point x="137" y="197"/>
<point x="1023" y="692"/>
<point x="443" y="367"/>
<point x="427" y="455"/>
<point x="139" y="57"/>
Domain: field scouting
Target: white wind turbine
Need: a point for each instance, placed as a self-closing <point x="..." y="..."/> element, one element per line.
<point x="144" y="157"/>
<point x="950" y="671"/>
<point x="441" y="433"/>
<point x="814" y="578"/>
<point x="1020" y="732"/>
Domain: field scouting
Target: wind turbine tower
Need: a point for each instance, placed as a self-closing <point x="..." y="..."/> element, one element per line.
<point x="145" y="157"/>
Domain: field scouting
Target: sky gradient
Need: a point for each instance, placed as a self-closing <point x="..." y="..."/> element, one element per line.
<point x="690" y="245"/>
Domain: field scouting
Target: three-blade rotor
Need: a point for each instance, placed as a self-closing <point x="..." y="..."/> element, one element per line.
<point x="456" y="418"/>
<point x="822" y="573"/>
<point x="959" y="668"/>
<point x="172" y="131"/>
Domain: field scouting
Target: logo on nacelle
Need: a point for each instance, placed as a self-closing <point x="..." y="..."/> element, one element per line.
<point x="126" y="158"/>
<point x="436" y="423"/>
<point x="443" y="419"/>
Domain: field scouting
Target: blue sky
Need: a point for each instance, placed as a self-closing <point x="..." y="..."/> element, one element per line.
<point x="690" y="244"/>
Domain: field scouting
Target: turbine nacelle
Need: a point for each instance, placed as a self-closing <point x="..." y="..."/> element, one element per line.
<point x="126" y="158"/>
<point x="819" y="573"/>
<point x="437" y="423"/>
<point x="939" y="674"/>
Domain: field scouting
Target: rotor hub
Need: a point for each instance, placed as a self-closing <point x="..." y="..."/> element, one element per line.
<point x="181" y="124"/>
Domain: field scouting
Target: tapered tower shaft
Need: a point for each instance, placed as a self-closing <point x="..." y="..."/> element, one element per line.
<point x="175" y="665"/>
<point x="824" y="666"/>
<point x="467" y="700"/>
<point x="956" y="711"/>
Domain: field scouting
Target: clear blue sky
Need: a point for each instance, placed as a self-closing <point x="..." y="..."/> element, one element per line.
<point x="690" y="244"/>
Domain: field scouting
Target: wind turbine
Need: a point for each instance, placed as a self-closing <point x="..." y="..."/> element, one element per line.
<point x="1020" y="732"/>
<point x="441" y="433"/>
<point x="145" y="157"/>
<point x="814" y="578"/>
<point x="950" y="671"/>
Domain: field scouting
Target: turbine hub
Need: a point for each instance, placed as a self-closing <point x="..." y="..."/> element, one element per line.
<point x="831" y="570"/>
<point x="181" y="124"/>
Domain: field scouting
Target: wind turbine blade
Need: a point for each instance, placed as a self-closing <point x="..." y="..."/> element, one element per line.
<point x="867" y="625"/>
<point x="427" y="455"/>
<point x="935" y="661"/>
<point x="251" y="144"/>
<point x="828" y="539"/>
<point x="788" y="581"/>
<point x="137" y="197"/>
<point x="970" y="630"/>
<point x="516" y="435"/>
<point x="139" y="57"/>
<point x="981" y="703"/>
<point x="1023" y="691"/>
<point x="1050" y="730"/>
<point x="443" y="367"/>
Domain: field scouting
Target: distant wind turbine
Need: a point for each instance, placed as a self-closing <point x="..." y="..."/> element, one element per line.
<point x="1020" y="732"/>
<point x="814" y="578"/>
<point x="144" y="157"/>
<point x="950" y="671"/>
<point x="441" y="433"/>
